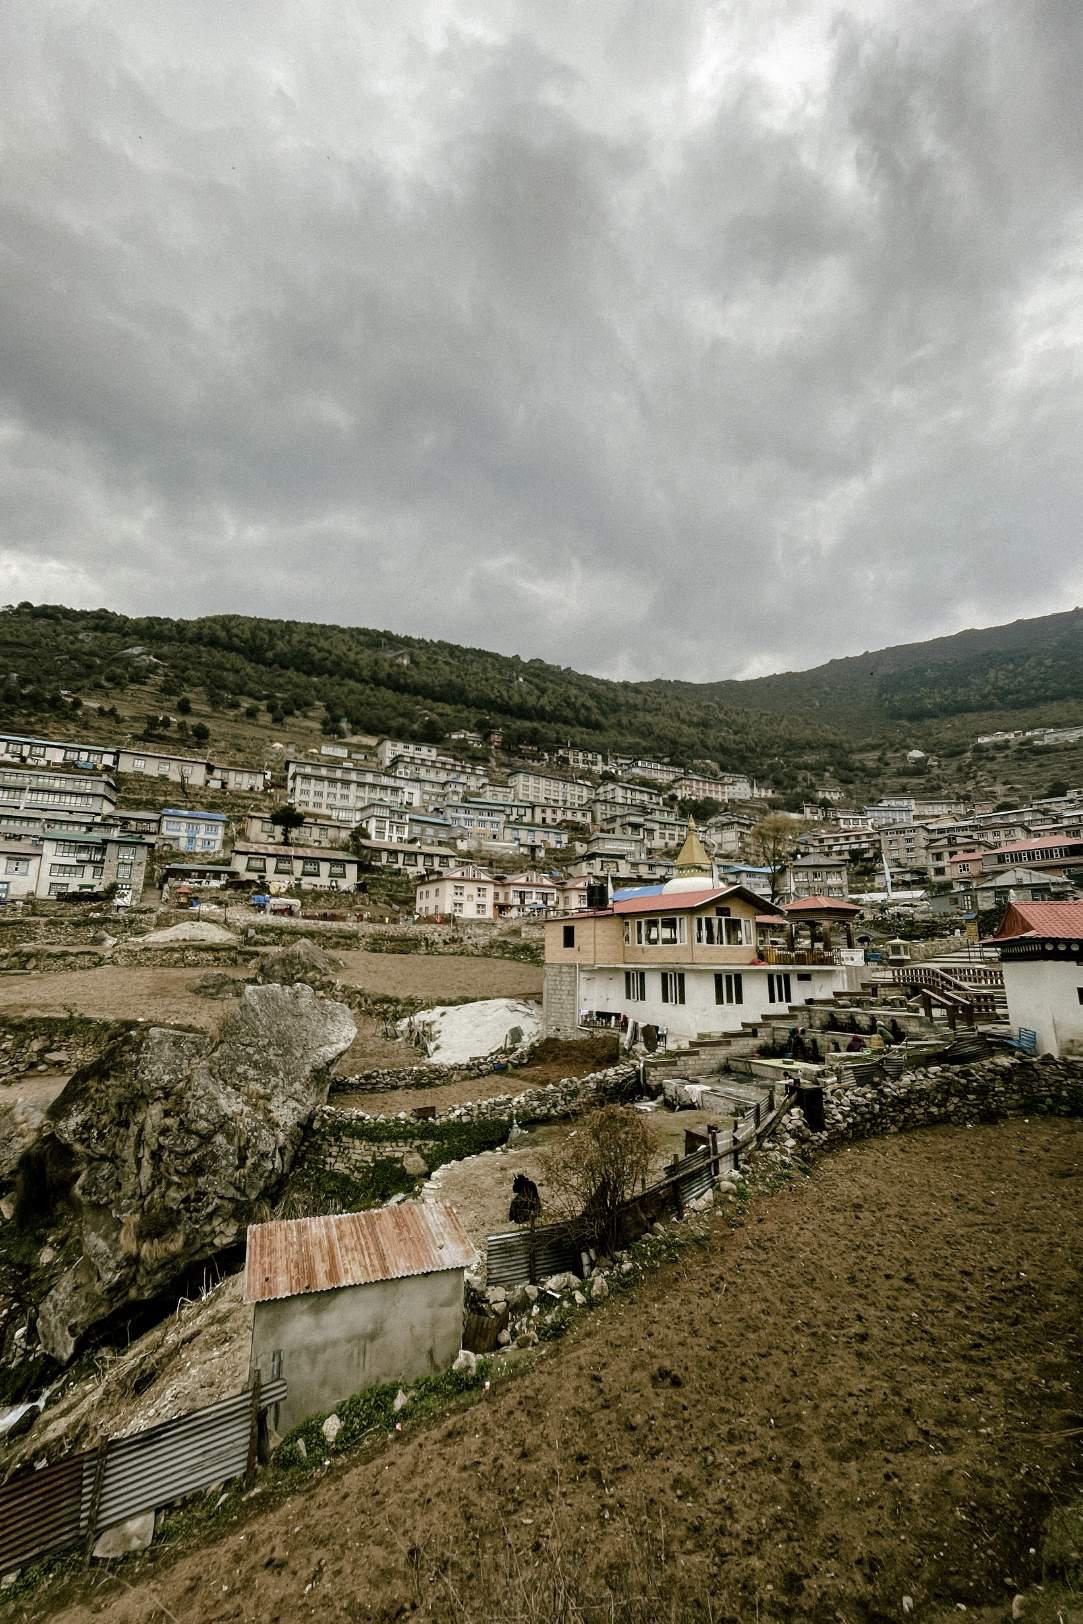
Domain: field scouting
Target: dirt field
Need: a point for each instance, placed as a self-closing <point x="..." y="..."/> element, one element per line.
<point x="863" y="1392"/>
<point x="109" y="993"/>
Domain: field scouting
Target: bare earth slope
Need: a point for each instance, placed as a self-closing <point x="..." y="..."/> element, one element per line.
<point x="859" y="1394"/>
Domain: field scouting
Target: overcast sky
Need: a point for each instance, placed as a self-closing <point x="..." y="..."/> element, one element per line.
<point x="654" y="338"/>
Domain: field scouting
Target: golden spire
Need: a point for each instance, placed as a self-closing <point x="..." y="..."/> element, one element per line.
<point x="692" y="857"/>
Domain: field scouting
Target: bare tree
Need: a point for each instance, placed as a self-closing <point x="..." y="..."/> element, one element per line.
<point x="774" y="842"/>
<point x="592" y="1172"/>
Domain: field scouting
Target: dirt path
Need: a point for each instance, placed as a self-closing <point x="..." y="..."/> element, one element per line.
<point x="859" y="1394"/>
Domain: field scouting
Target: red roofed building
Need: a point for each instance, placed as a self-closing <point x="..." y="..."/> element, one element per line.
<point x="692" y="956"/>
<point x="1041" y="955"/>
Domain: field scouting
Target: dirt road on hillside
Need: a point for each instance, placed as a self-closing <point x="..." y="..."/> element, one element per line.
<point x="859" y="1394"/>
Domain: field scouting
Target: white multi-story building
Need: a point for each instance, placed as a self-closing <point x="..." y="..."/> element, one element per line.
<point x="551" y="791"/>
<point x="406" y="750"/>
<point x="19" y="866"/>
<point x="461" y="894"/>
<point x="91" y="861"/>
<point x="280" y="866"/>
<point x="727" y="787"/>
<point x="340" y="792"/>
<point x="383" y="822"/>
<point x="23" y="789"/>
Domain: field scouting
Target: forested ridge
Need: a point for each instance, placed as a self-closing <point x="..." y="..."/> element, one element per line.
<point x="357" y="676"/>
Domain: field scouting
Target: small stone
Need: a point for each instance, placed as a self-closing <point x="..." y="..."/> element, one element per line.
<point x="401" y="1401"/>
<point x="133" y="1535"/>
<point x="1019" y="1603"/>
<point x="503" y="1337"/>
<point x="46" y="1256"/>
<point x="331" y="1428"/>
<point x="465" y="1361"/>
<point x="908" y="1604"/>
<point x="302" y="1449"/>
<point x="578" y="1299"/>
<point x="599" y="1289"/>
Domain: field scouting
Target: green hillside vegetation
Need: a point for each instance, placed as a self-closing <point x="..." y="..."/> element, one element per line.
<point x="237" y="686"/>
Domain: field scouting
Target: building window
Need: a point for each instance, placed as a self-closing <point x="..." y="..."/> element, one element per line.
<point x="635" y="986"/>
<point x="256" y="865"/>
<point x="778" y="988"/>
<point x="673" y="986"/>
<point x="310" y="867"/>
<point x="337" y="871"/>
<point x="569" y="937"/>
<point x="57" y="890"/>
<point x="283" y="865"/>
<point x="672" y="932"/>
<point x="729" y="989"/>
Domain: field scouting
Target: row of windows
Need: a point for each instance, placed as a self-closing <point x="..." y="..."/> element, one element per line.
<point x="310" y="867"/>
<point x="729" y="986"/>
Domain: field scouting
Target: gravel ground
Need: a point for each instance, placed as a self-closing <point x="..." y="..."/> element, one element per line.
<point x="863" y="1391"/>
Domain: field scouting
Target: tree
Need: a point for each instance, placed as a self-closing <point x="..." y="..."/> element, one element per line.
<point x="286" y="818"/>
<point x="774" y="842"/>
<point x="595" y="1169"/>
<point x="201" y="732"/>
<point x="1056" y="789"/>
<point x="184" y="705"/>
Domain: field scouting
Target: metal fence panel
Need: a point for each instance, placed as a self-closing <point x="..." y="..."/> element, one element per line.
<point x="47" y="1511"/>
<point x="44" y="1511"/>
<point x="518" y="1256"/>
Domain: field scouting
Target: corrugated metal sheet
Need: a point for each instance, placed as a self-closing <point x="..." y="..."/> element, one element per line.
<point x="521" y="1255"/>
<point x="47" y="1511"/>
<point x="299" y="1255"/>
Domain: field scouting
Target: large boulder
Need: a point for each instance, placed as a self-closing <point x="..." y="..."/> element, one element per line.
<point x="20" y="1125"/>
<point x="301" y="960"/>
<point x="163" y="1148"/>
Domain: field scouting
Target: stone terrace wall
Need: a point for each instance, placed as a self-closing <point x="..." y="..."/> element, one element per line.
<point x="985" y="1092"/>
<point x="389" y="1079"/>
<point x="350" y="1142"/>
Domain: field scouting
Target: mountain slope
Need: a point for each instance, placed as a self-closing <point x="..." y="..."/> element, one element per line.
<point x="56" y="659"/>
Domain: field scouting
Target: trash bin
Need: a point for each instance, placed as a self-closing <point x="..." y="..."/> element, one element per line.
<point x="810" y="1100"/>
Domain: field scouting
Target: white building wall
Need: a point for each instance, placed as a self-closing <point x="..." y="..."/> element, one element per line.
<point x="1044" y="995"/>
<point x="603" y="989"/>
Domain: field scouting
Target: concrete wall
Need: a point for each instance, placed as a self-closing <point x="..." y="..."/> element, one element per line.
<point x="604" y="989"/>
<point x="334" y="1343"/>
<point x="1044" y="995"/>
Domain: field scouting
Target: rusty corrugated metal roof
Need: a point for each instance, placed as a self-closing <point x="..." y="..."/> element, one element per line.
<point x="1061" y="920"/>
<point x="299" y="1255"/>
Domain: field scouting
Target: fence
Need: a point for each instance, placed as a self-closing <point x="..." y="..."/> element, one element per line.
<point x="70" y="1502"/>
<point x="518" y="1256"/>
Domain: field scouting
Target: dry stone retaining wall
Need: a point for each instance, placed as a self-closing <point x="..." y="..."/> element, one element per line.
<point x="959" y="1095"/>
<point x="349" y="1142"/>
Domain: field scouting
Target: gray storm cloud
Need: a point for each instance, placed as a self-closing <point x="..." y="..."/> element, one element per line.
<point x="682" y="340"/>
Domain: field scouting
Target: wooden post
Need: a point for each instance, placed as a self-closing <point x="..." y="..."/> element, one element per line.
<point x="96" y="1496"/>
<point x="253" y="1430"/>
<point x="712" y="1140"/>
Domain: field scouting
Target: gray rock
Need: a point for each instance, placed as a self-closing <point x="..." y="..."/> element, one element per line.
<point x="331" y="1428"/>
<point x="299" y="961"/>
<point x="414" y="1164"/>
<point x="401" y="1401"/>
<point x="20" y="1125"/>
<point x="123" y="1538"/>
<point x="465" y="1360"/>
<point x="165" y="1146"/>
<point x="599" y="1289"/>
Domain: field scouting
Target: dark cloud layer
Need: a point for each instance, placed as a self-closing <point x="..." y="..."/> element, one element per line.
<point x="652" y="339"/>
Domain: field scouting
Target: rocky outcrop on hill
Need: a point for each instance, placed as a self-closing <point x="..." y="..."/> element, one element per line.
<point x="164" y="1148"/>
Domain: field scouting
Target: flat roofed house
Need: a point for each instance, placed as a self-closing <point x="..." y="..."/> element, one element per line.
<point x="162" y="764"/>
<point x="26" y="789"/>
<point x="202" y="832"/>
<point x="311" y="867"/>
<point x="1041" y="957"/>
<point x="19" y="865"/>
<point x="90" y="861"/>
<point x="345" y="1302"/>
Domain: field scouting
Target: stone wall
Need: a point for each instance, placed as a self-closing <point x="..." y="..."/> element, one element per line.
<point x="349" y="1142"/>
<point x="959" y="1095"/>
<point x="388" y="1079"/>
<point x="560" y="991"/>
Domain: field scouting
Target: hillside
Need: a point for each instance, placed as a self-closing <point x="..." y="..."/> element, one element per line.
<point x="992" y="670"/>
<point x="235" y="684"/>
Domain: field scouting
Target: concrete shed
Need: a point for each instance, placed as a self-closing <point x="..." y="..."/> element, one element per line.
<point x="342" y="1303"/>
